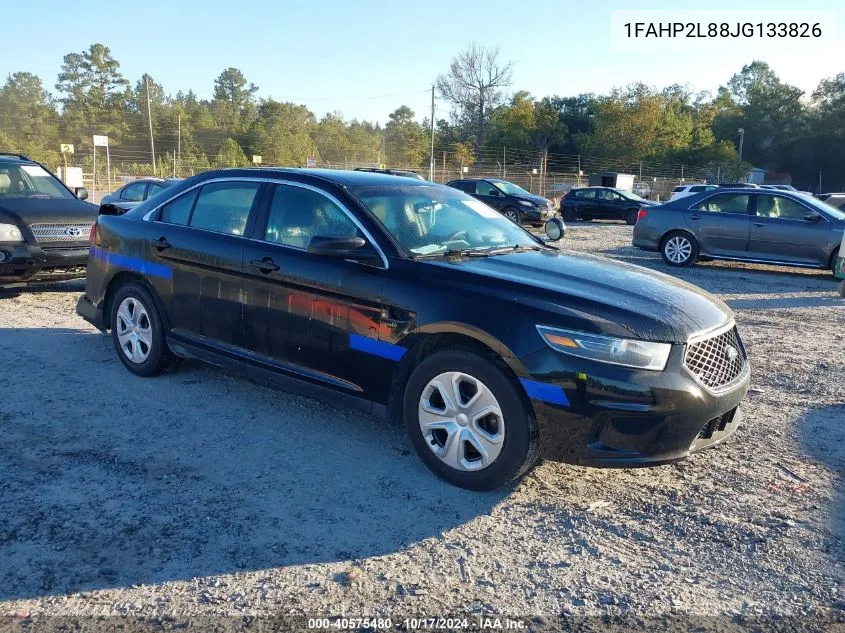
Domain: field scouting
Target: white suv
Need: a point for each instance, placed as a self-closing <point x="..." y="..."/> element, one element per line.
<point x="690" y="190"/>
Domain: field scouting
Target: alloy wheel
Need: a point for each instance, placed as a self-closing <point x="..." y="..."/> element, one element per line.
<point x="134" y="330"/>
<point x="512" y="215"/>
<point x="678" y="249"/>
<point x="461" y="421"/>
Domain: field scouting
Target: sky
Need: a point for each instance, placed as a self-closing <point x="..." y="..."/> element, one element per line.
<point x="366" y="58"/>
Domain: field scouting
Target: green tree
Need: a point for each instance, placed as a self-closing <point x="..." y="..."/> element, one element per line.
<point x="281" y="134"/>
<point x="234" y="100"/>
<point x="29" y="119"/>
<point x="464" y="155"/>
<point x="332" y="139"/>
<point x="230" y="155"/>
<point x="405" y="139"/>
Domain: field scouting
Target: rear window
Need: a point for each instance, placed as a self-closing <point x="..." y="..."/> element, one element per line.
<point x="677" y="189"/>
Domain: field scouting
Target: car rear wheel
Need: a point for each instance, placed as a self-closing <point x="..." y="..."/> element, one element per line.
<point x="631" y="216"/>
<point x="467" y="421"/>
<point x="511" y="214"/>
<point x="138" y="331"/>
<point x="679" y="249"/>
<point x="569" y="214"/>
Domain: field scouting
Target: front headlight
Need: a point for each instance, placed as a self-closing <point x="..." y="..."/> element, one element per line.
<point x="606" y="349"/>
<point x="10" y="233"/>
<point x="525" y="203"/>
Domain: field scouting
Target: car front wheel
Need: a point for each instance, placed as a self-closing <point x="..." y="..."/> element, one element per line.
<point x="679" y="249"/>
<point x="467" y="421"/>
<point x="138" y="331"/>
<point x="512" y="215"/>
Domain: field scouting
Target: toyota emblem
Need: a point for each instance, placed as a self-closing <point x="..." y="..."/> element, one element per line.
<point x="731" y="353"/>
<point x="73" y="231"/>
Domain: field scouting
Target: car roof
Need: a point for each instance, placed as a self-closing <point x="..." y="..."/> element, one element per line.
<point x="341" y="177"/>
<point x="15" y="158"/>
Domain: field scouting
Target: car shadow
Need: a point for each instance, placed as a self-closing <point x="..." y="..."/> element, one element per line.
<point x="108" y="483"/>
<point x="823" y="434"/>
<point x="71" y="285"/>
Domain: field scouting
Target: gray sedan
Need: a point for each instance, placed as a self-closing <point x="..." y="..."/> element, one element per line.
<point x="135" y="192"/>
<point x="754" y="225"/>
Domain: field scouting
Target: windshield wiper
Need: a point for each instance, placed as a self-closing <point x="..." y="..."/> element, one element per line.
<point x="455" y="252"/>
<point x="502" y="250"/>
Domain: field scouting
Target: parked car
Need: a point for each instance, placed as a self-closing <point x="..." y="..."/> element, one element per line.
<point x="417" y="302"/>
<point x="683" y="191"/>
<point x="511" y="200"/>
<point x="825" y="196"/>
<point x="836" y="200"/>
<point x="786" y="188"/>
<point x="44" y="226"/>
<point x="756" y="225"/>
<point x="588" y="203"/>
<point x="135" y="192"/>
<point x="642" y="189"/>
<point x="394" y="172"/>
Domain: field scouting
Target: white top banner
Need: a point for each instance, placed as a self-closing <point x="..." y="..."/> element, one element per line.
<point x="101" y="141"/>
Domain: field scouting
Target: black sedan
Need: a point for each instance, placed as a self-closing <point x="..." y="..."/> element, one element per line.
<point x="44" y="226"/>
<point x="514" y="202"/>
<point x="420" y="303"/>
<point x="588" y="203"/>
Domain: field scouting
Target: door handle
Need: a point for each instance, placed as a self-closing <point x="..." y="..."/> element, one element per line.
<point x="759" y="224"/>
<point x="695" y="217"/>
<point x="265" y="265"/>
<point x="161" y="243"/>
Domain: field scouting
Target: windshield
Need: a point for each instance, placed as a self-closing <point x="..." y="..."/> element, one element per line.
<point x="510" y="188"/>
<point x="630" y="196"/>
<point x="30" y="181"/>
<point x="432" y="220"/>
<point x="825" y="208"/>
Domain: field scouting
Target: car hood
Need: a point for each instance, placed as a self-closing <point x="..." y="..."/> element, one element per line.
<point x="538" y="200"/>
<point x="590" y="293"/>
<point x="46" y="211"/>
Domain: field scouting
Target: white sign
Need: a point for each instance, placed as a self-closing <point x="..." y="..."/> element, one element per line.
<point x="101" y="141"/>
<point x="72" y="176"/>
<point x="310" y="162"/>
<point x="466" y="169"/>
<point x="256" y="160"/>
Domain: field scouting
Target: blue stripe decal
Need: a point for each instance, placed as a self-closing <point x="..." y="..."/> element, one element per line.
<point x="552" y="394"/>
<point x="375" y="347"/>
<point x="132" y="263"/>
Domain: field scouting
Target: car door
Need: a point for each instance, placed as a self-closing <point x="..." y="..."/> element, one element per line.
<point x="780" y="231"/>
<point x="585" y="202"/>
<point x="306" y="314"/>
<point x="200" y="237"/>
<point x="490" y="194"/>
<point x="721" y="223"/>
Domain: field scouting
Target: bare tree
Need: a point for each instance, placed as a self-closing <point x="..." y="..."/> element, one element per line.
<point x="475" y="85"/>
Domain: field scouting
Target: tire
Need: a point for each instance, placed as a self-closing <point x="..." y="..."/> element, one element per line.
<point x="569" y="214"/>
<point x="134" y="311"/>
<point x="511" y="214"/>
<point x="587" y="218"/>
<point x="631" y="216"/>
<point x="474" y="381"/>
<point x="679" y="248"/>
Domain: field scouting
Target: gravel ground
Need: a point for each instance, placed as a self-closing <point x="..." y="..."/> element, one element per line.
<point x="199" y="494"/>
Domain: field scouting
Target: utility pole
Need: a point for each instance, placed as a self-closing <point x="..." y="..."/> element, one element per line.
<point x="443" y="174"/>
<point x="741" y="132"/>
<point x="820" y="181"/>
<point x="150" y="119"/>
<point x="431" y="162"/>
<point x="504" y="162"/>
<point x="179" y="145"/>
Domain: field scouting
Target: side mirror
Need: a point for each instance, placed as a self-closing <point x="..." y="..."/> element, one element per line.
<point x="111" y="209"/>
<point x="555" y="229"/>
<point x="494" y="192"/>
<point x="813" y="216"/>
<point x="339" y="246"/>
<point x="81" y="193"/>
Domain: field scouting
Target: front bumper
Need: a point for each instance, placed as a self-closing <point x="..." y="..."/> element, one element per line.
<point x="22" y="264"/>
<point x="619" y="417"/>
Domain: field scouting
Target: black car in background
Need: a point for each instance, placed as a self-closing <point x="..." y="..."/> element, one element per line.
<point x="44" y="226"/>
<point x="589" y="203"/>
<point x="415" y="301"/>
<point x="392" y="172"/>
<point x="135" y="192"/>
<point x="511" y="200"/>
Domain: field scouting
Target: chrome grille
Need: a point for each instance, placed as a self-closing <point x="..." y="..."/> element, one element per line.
<point x="717" y="361"/>
<point x="61" y="232"/>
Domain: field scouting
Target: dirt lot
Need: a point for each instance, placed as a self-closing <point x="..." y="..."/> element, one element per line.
<point x="196" y="493"/>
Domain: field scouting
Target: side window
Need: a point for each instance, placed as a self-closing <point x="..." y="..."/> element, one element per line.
<point x="153" y="189"/>
<point x="725" y="203"/>
<point x="224" y="206"/>
<point x="133" y="192"/>
<point x="466" y="187"/>
<point x="678" y="189"/>
<point x="696" y="189"/>
<point x="587" y="194"/>
<point x="179" y="210"/>
<point x="780" y="207"/>
<point x="483" y="188"/>
<point x="298" y="214"/>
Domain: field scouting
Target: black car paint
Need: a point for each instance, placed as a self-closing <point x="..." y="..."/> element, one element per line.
<point x="574" y="206"/>
<point x="505" y="201"/>
<point x="32" y="261"/>
<point x="350" y="331"/>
